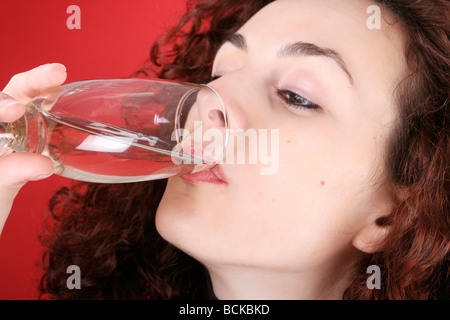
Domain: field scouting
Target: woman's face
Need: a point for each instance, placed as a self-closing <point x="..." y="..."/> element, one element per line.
<point x="315" y="74"/>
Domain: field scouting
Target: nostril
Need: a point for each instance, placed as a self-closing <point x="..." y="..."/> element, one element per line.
<point x="217" y="117"/>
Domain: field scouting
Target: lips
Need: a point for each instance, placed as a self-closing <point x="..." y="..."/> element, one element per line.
<point x="214" y="175"/>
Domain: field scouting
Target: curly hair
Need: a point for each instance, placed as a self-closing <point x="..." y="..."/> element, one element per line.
<point x="109" y="230"/>
<point x="415" y="256"/>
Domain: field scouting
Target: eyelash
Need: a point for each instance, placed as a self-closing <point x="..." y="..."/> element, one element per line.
<point x="292" y="100"/>
<point x="212" y="78"/>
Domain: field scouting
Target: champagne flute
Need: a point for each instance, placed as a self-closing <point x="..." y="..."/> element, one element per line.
<point x="121" y="130"/>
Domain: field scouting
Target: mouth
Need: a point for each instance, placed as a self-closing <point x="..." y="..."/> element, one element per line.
<point x="214" y="175"/>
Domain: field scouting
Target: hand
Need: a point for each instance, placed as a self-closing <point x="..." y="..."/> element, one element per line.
<point x="18" y="168"/>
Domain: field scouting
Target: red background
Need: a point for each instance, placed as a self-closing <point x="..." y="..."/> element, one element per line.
<point x="113" y="42"/>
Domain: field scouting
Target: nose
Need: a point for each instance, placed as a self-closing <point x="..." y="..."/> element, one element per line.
<point x="211" y="108"/>
<point x="238" y="96"/>
<point x="202" y="106"/>
<point x="203" y="118"/>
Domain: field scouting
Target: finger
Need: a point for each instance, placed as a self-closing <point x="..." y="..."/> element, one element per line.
<point x="17" y="169"/>
<point x="20" y="167"/>
<point x="10" y="109"/>
<point x="27" y="85"/>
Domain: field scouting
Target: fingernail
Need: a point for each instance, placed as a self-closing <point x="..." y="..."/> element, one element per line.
<point x="60" y="65"/>
<point x="41" y="177"/>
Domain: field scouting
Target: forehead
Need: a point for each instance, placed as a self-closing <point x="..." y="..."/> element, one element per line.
<point x="341" y="25"/>
<point x="325" y="16"/>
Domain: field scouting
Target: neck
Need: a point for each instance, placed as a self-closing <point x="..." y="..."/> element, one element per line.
<point x="248" y="283"/>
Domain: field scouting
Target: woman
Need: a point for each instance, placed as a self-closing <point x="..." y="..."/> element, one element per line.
<point x="363" y="163"/>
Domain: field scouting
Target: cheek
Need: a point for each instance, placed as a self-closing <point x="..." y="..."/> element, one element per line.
<point x="320" y="194"/>
<point x="301" y="216"/>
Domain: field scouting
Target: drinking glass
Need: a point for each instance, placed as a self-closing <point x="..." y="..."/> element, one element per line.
<point x="121" y="130"/>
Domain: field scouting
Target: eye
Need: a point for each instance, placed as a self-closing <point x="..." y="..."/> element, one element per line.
<point x="294" y="101"/>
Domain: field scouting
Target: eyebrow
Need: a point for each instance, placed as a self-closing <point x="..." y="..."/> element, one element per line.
<point x="296" y="49"/>
<point x="237" y="40"/>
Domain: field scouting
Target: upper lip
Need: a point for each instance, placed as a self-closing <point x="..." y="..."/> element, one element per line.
<point x="214" y="174"/>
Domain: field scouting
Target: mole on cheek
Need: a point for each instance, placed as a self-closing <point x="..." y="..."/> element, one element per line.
<point x="322" y="183"/>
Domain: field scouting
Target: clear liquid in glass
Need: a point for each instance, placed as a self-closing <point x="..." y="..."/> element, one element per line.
<point x="89" y="156"/>
<point x="112" y="131"/>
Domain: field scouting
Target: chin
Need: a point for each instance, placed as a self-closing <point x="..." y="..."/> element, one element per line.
<point x="177" y="219"/>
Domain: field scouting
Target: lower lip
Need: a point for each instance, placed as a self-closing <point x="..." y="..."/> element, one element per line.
<point x="211" y="176"/>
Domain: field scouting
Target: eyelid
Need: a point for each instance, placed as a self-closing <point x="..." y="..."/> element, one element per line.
<point x="226" y="67"/>
<point x="311" y="106"/>
<point x="212" y="78"/>
<point x="300" y="86"/>
<point x="228" y="61"/>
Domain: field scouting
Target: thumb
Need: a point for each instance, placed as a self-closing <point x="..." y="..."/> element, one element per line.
<point x="15" y="170"/>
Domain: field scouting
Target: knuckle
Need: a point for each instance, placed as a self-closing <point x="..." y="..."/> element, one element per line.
<point x="16" y="78"/>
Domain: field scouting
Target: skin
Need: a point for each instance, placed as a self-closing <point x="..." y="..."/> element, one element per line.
<point x="18" y="168"/>
<point x="292" y="235"/>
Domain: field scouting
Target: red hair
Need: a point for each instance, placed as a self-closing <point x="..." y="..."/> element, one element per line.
<point x="415" y="257"/>
<point x="109" y="231"/>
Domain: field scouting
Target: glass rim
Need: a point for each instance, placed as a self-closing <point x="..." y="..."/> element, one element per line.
<point x="182" y="101"/>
